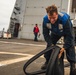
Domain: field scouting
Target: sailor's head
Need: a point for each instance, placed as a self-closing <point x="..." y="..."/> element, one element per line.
<point x="52" y="13"/>
<point x="36" y="25"/>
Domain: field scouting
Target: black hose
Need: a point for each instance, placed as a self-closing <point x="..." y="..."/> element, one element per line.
<point x="34" y="58"/>
<point x="55" y="52"/>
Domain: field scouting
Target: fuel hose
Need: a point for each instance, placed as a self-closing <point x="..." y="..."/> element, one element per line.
<point x="48" y="71"/>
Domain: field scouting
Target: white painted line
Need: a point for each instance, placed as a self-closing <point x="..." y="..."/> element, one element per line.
<point x="2" y="65"/>
<point x="22" y="54"/>
<point x="21" y="43"/>
<point x="12" y="61"/>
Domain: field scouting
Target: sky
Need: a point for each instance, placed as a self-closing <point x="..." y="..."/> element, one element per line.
<point x="6" y="8"/>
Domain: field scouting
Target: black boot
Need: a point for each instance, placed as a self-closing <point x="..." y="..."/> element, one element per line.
<point x="72" y="69"/>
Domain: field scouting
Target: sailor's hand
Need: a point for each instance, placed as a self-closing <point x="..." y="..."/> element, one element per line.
<point x="61" y="52"/>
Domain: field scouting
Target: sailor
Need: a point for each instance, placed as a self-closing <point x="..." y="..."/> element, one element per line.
<point x="60" y="25"/>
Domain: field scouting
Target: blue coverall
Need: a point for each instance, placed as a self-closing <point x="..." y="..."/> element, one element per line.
<point x="62" y="27"/>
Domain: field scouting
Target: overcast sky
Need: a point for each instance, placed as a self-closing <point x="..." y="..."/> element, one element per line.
<point x="6" y="8"/>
